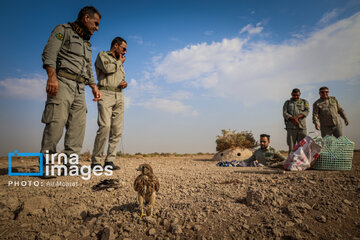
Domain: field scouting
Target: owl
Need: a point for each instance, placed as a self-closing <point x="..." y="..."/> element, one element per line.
<point x="146" y="185"/>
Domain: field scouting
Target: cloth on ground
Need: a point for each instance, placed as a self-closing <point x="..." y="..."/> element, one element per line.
<point x="235" y="163"/>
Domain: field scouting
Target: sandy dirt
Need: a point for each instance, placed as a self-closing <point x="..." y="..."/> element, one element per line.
<point x="197" y="200"/>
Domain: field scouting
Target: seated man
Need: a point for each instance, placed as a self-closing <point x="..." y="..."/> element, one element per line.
<point x="265" y="155"/>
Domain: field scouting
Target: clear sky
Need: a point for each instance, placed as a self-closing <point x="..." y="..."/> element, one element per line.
<point x="193" y="67"/>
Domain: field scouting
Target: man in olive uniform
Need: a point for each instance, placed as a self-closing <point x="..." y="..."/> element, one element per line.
<point x="111" y="81"/>
<point x="67" y="61"/>
<point x="326" y="111"/>
<point x="295" y="111"/>
<point x="265" y="155"/>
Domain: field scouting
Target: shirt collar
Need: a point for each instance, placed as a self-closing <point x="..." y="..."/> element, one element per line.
<point x="110" y="54"/>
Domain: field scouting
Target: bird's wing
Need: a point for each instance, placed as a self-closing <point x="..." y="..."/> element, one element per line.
<point x="156" y="183"/>
<point x="139" y="184"/>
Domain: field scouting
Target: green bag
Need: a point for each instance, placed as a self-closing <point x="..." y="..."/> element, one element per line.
<point x="337" y="154"/>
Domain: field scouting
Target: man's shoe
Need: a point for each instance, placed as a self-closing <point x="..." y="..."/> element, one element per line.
<point x="114" y="167"/>
<point x="94" y="165"/>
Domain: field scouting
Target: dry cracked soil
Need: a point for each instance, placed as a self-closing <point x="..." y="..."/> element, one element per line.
<point x="197" y="200"/>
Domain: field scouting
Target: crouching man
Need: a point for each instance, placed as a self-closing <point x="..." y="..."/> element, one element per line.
<point x="265" y="155"/>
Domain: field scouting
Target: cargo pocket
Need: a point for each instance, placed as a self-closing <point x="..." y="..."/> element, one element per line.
<point x="51" y="111"/>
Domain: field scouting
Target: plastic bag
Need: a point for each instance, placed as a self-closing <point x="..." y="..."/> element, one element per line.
<point x="304" y="154"/>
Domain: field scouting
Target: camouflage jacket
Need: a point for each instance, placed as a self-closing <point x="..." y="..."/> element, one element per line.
<point x="293" y="108"/>
<point x="327" y="111"/>
<point x="67" y="51"/>
<point x="266" y="156"/>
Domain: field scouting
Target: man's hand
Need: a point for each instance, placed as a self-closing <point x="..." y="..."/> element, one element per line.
<point x="294" y="120"/>
<point x="122" y="58"/>
<point x="96" y="92"/>
<point x="317" y="126"/>
<point x="52" y="84"/>
<point x="346" y="122"/>
<point x="123" y="84"/>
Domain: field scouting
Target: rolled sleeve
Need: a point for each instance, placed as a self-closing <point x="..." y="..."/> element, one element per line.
<point x="52" y="48"/>
<point x="278" y="155"/>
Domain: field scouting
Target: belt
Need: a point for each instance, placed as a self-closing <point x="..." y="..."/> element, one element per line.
<point x="113" y="89"/>
<point x="74" y="77"/>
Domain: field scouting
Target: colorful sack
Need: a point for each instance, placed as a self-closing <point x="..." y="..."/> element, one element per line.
<point x="304" y="155"/>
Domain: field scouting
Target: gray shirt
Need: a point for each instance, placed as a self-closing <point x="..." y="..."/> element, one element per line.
<point x="67" y="51"/>
<point x="110" y="71"/>
<point x="266" y="156"/>
<point x="293" y="108"/>
<point x="327" y="111"/>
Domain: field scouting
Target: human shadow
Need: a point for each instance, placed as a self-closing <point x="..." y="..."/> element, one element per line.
<point x="5" y="171"/>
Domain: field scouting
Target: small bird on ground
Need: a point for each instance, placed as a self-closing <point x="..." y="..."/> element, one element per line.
<point x="146" y="184"/>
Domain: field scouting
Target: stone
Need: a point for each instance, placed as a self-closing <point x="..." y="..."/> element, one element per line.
<point x="84" y="232"/>
<point x="150" y="220"/>
<point x="78" y="211"/>
<point x="35" y="205"/>
<point x="254" y="197"/>
<point x="321" y="219"/>
<point x="176" y="229"/>
<point x="175" y="220"/>
<point x="197" y="228"/>
<point x="151" y="232"/>
<point x="289" y="224"/>
<point x="347" y="202"/>
<point x="55" y="237"/>
<point x="164" y="222"/>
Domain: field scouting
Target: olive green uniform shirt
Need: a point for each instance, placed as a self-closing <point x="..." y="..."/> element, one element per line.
<point x="327" y="111"/>
<point x="110" y="71"/>
<point x="66" y="50"/>
<point x="293" y="108"/>
<point x="266" y="156"/>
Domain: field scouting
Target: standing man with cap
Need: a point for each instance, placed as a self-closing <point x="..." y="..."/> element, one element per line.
<point x="326" y="111"/>
<point x="111" y="81"/>
<point x="67" y="61"/>
<point x="295" y="111"/>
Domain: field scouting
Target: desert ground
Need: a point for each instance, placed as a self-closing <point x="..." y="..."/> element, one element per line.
<point x="197" y="200"/>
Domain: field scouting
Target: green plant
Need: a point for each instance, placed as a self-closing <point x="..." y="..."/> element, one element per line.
<point x="233" y="139"/>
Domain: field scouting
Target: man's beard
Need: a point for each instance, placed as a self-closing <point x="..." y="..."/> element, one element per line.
<point x="117" y="55"/>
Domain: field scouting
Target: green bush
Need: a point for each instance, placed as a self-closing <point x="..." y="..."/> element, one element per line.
<point x="233" y="139"/>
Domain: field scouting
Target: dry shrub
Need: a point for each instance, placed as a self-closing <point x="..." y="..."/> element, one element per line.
<point x="233" y="139"/>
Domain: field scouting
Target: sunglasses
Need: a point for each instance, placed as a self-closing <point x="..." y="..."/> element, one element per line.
<point x="324" y="91"/>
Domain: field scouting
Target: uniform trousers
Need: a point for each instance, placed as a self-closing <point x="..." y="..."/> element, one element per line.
<point x="294" y="136"/>
<point x="110" y="121"/>
<point x="331" y="130"/>
<point x="66" y="109"/>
